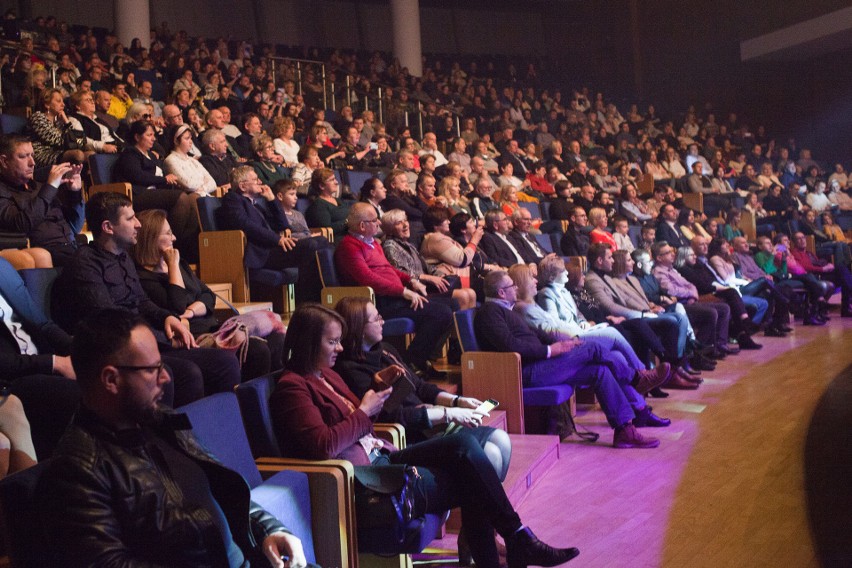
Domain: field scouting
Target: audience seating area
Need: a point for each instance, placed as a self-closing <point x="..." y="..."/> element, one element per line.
<point x="569" y="130"/>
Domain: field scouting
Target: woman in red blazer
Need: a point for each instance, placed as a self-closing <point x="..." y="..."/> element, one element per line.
<point x="317" y="417"/>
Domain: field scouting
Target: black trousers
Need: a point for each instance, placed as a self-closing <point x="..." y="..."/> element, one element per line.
<point x="457" y="473"/>
<point x="303" y="257"/>
<point x="200" y="372"/>
<point x="710" y="320"/>
<point x="431" y="323"/>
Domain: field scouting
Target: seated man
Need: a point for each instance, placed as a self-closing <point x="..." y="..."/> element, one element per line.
<point x="360" y="261"/>
<point x="668" y="229"/>
<point x="480" y="200"/>
<point x="575" y="241"/>
<point x="571" y="361"/>
<point x="102" y="275"/>
<point x="697" y="306"/>
<point x="495" y="242"/>
<point x="35" y="361"/>
<point x="251" y="129"/>
<point x="130" y="484"/>
<point x="50" y="214"/>
<point x="216" y="159"/>
<point x="252" y="208"/>
<point x="520" y="236"/>
<point x="705" y="281"/>
<point x="813" y="265"/>
<point x="714" y="201"/>
<point x="762" y="284"/>
<point x="621" y="295"/>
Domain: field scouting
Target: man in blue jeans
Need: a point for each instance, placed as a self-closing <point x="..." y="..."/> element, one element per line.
<point x="575" y="362"/>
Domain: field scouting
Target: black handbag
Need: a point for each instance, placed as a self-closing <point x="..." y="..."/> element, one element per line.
<point x="389" y="504"/>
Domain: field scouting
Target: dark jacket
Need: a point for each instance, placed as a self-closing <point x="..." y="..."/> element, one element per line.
<point x="176" y="299"/>
<point x="575" y="242"/>
<point x="261" y="222"/>
<point x="526" y="245"/>
<point x="497" y="249"/>
<point x="49" y="216"/>
<point x="411" y="414"/>
<point x="673" y="236"/>
<point x="104" y="500"/>
<point x="134" y="168"/>
<point x="48" y="337"/>
<point x="500" y="329"/>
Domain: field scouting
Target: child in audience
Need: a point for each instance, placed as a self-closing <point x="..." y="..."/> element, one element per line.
<point x="622" y="235"/>
<point x="287" y="194"/>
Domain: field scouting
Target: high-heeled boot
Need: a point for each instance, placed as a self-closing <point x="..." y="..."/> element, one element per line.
<point x="524" y="549"/>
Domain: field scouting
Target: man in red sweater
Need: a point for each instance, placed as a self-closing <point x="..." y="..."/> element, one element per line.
<point x="360" y="261"/>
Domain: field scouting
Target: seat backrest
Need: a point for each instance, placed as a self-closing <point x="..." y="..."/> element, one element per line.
<point x="465" y="331"/>
<point x="218" y="425"/>
<point x="545" y="210"/>
<point x="39" y="283"/>
<point x="325" y="263"/>
<point x="101" y="166"/>
<point x="253" y="397"/>
<point x="302" y="204"/>
<point x="12" y="124"/>
<point x="356" y="180"/>
<point x="207" y="212"/>
<point x="21" y="526"/>
<point x="544" y="242"/>
<point x="532" y="207"/>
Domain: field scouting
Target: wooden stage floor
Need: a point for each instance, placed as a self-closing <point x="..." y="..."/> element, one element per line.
<point x="725" y="487"/>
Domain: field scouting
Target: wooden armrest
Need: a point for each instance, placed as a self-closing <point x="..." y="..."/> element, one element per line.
<point x="694" y="201"/>
<point x="330" y="295"/>
<point x="487" y="374"/>
<point x="332" y="485"/>
<point x="221" y="260"/>
<point x="393" y="433"/>
<point x="123" y="188"/>
<point x="326" y="232"/>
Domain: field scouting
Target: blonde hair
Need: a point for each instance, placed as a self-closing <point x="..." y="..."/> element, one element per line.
<point x="521" y="275"/>
<point x="595" y="215"/>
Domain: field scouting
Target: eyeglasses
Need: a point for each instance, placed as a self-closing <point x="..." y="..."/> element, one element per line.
<point x="508" y="286"/>
<point x="377" y="319"/>
<point x="373" y="220"/>
<point x="147" y="116"/>
<point x="147" y="368"/>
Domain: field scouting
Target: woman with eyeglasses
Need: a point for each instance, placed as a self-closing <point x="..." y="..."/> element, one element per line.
<point x="327" y="210"/>
<point x="316" y="416"/>
<point x="263" y="163"/>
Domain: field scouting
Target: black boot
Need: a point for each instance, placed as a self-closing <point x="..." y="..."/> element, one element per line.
<point x="524" y="549"/>
<point x="811" y="318"/>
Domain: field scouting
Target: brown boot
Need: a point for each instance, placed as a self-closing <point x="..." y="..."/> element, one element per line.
<point x="677" y="383"/>
<point x="649" y="379"/>
<point x="628" y="436"/>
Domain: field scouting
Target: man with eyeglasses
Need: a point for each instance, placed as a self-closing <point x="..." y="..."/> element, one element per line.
<point x="251" y="207"/>
<point x="130" y="483"/>
<point x="172" y="119"/>
<point x="360" y="261"/>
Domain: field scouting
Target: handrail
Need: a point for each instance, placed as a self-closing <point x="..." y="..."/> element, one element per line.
<point x="367" y="95"/>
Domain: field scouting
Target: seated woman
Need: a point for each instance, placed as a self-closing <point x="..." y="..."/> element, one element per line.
<point x="556" y="330"/>
<point x="366" y="361"/>
<point x="53" y="139"/>
<point x="171" y="284"/>
<point x="690" y="224"/>
<point x="731" y="228"/>
<point x="827" y="246"/>
<point x="374" y="192"/>
<point x="16" y="443"/>
<point x="317" y="417"/>
<point x="327" y="210"/>
<point x="509" y="204"/>
<point x="762" y="295"/>
<point x="191" y="175"/>
<point x="450" y="189"/>
<point x="283" y="130"/>
<point x="598" y="221"/>
<point x="632" y="206"/>
<point x="644" y="341"/>
<point x="154" y="189"/>
<point x="404" y="256"/>
<point x="267" y="170"/>
<point x="762" y="221"/>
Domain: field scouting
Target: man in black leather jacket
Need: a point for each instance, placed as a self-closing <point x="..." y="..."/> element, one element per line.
<point x="130" y="485"/>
